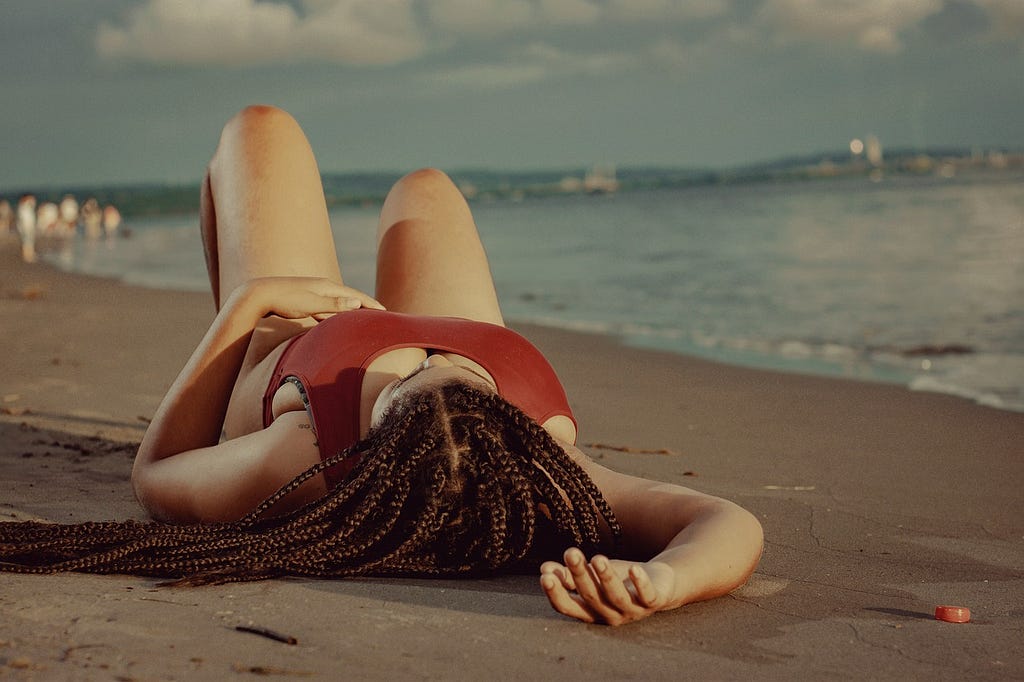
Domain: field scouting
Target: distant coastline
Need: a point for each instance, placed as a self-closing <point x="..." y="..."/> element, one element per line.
<point x="365" y="188"/>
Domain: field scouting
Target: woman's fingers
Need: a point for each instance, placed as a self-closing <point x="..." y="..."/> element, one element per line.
<point x="581" y="575"/>
<point x="645" y="592"/>
<point x="347" y="296"/>
<point x="614" y="589"/>
<point x="613" y="592"/>
<point x="328" y="295"/>
<point x="357" y="299"/>
<point x="560" y="572"/>
<point x="297" y="297"/>
<point x="591" y="588"/>
<point x="562" y="601"/>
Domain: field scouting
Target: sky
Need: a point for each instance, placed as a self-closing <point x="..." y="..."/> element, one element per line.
<point x="96" y="92"/>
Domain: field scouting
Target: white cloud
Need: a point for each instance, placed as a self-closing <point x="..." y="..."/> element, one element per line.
<point x="493" y="17"/>
<point x="564" y="63"/>
<point x="199" y="32"/>
<point x="480" y="16"/>
<point x="381" y="32"/>
<point x="872" y="25"/>
<point x="568" y="12"/>
<point x="368" y="32"/>
<point x="534" y="63"/>
<point x="674" y="55"/>
<point x="666" y="10"/>
<point x="243" y="32"/>
<point x="362" y="31"/>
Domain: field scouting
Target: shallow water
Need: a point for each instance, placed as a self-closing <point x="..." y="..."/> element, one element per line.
<point x="914" y="280"/>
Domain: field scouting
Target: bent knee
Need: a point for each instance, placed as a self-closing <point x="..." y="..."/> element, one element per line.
<point x="427" y="192"/>
<point x="258" y="121"/>
<point x="146" y="494"/>
<point x="260" y="115"/>
<point x="426" y="181"/>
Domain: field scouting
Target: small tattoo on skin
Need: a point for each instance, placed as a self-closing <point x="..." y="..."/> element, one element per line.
<point x="310" y="428"/>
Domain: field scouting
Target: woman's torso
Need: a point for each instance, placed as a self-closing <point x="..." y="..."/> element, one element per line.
<point x="270" y="340"/>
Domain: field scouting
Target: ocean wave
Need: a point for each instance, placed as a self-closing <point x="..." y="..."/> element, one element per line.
<point x="933" y="384"/>
<point x="989" y="379"/>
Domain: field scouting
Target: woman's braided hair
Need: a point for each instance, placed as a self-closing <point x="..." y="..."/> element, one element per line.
<point x="454" y="481"/>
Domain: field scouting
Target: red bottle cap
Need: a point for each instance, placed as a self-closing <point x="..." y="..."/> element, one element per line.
<point x="953" y="614"/>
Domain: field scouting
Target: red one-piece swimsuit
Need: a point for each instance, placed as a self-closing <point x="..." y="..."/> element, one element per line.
<point x="330" y="360"/>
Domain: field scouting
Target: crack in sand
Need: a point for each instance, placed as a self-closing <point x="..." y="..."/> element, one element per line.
<point x="904" y="654"/>
<point x="811" y="531"/>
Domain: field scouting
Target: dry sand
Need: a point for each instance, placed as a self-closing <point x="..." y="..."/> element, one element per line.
<point x="878" y="504"/>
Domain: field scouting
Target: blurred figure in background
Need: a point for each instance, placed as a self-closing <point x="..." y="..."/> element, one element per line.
<point x="67" y="222"/>
<point x="111" y="219"/>
<point x="27" y="227"/>
<point x="92" y="216"/>
<point x="46" y="218"/>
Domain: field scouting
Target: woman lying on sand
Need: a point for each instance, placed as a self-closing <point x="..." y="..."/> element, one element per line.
<point x="317" y="431"/>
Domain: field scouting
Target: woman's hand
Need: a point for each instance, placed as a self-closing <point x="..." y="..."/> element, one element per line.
<point x="299" y="297"/>
<point x="607" y="590"/>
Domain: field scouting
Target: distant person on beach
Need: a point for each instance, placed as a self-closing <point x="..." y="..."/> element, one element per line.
<point x="319" y="431"/>
<point x="92" y="217"/>
<point x="26" y="223"/>
<point x="111" y="220"/>
<point x="47" y="215"/>
<point x="69" y="211"/>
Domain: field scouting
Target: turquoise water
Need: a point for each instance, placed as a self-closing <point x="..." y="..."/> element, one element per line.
<point x="913" y="280"/>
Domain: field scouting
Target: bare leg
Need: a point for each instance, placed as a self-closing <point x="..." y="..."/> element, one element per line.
<point x="208" y="228"/>
<point x="263" y="212"/>
<point x="429" y="257"/>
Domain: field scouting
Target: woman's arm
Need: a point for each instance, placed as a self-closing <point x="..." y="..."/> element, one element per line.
<point x="699" y="547"/>
<point x="179" y="456"/>
<point x="225" y="482"/>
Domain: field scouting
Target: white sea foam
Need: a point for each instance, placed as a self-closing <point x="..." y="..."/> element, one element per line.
<point x="936" y="385"/>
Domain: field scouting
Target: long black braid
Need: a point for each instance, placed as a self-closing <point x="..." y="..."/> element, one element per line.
<point x="454" y="481"/>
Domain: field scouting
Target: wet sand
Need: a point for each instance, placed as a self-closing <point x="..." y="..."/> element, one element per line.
<point x="878" y="503"/>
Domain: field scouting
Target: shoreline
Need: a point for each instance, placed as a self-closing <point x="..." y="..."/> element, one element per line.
<point x="836" y="361"/>
<point x="878" y="503"/>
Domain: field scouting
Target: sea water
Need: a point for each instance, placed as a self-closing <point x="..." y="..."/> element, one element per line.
<point x="914" y="280"/>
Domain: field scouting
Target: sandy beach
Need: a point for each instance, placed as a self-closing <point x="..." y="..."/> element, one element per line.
<point x="878" y="504"/>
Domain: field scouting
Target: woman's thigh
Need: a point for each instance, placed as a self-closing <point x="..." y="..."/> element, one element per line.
<point x="429" y="257"/>
<point x="266" y="204"/>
